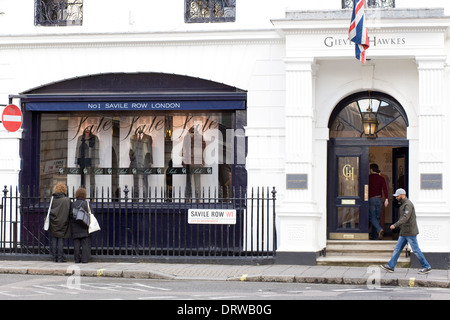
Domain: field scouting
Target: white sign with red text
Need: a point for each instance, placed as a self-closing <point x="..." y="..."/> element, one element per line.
<point x="212" y="216"/>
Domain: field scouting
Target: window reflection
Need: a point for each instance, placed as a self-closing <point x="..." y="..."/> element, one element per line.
<point x="154" y="155"/>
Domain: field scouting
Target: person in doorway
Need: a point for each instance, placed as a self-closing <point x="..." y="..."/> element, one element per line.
<point x="377" y="188"/>
<point x="59" y="227"/>
<point x="408" y="233"/>
<point x="80" y="233"/>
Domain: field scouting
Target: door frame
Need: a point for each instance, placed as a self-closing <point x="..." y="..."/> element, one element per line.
<point x="354" y="144"/>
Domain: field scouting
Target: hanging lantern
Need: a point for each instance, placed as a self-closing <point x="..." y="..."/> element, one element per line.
<point x="370" y="123"/>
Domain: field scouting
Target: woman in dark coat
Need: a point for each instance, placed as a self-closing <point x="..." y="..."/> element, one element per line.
<point x="80" y="233"/>
<point x="59" y="227"/>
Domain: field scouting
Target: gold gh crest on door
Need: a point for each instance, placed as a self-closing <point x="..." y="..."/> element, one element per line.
<point x="348" y="172"/>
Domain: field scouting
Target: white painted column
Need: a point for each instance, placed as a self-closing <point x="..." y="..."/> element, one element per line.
<point x="432" y="205"/>
<point x="299" y="118"/>
<point x="298" y="215"/>
<point x="9" y="157"/>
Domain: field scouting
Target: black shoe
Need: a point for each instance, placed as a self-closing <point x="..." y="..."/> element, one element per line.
<point x="424" y="271"/>
<point x="387" y="268"/>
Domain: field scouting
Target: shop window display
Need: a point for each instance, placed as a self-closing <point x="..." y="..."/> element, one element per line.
<point x="154" y="155"/>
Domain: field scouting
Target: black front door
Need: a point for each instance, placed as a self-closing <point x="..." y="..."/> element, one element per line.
<point x="348" y="192"/>
<point x="400" y="175"/>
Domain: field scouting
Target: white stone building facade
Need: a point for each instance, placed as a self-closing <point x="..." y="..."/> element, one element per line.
<point x="294" y="61"/>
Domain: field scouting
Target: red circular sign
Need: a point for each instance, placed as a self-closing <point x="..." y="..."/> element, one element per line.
<point x="12" y="118"/>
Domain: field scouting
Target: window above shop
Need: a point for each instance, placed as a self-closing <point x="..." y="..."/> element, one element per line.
<point x="58" y="13"/>
<point x="204" y="11"/>
<point x="348" y="4"/>
<point x="346" y="121"/>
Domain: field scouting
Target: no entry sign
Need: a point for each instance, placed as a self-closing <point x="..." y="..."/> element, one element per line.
<point x="12" y="118"/>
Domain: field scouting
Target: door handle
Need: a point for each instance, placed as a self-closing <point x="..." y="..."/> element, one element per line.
<point x="366" y="192"/>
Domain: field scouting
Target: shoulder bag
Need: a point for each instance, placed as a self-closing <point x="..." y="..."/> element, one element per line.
<point x="47" y="219"/>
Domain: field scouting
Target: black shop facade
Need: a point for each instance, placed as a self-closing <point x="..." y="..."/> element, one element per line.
<point x="150" y="135"/>
<point x="150" y="149"/>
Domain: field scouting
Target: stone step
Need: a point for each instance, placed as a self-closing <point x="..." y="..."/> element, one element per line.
<point x="360" y="253"/>
<point x="359" y="261"/>
<point x="361" y="245"/>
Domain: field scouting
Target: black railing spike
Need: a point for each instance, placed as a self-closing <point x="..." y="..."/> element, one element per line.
<point x="274" y="193"/>
<point x="5" y="191"/>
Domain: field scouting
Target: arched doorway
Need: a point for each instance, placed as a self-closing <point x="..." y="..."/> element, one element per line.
<point x="350" y="152"/>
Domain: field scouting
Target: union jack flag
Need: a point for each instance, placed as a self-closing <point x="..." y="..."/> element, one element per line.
<point x="358" y="32"/>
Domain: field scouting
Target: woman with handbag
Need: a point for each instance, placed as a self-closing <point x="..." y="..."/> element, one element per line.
<point x="80" y="231"/>
<point x="59" y="226"/>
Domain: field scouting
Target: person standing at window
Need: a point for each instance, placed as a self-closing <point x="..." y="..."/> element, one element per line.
<point x="377" y="188"/>
<point x="59" y="227"/>
<point x="80" y="233"/>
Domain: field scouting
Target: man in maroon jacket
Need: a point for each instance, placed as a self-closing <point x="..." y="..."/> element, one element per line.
<point x="377" y="188"/>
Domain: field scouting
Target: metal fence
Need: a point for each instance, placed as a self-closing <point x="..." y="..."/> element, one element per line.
<point x="154" y="226"/>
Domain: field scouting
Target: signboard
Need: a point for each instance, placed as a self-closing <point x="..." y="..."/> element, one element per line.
<point x="12" y="118"/>
<point x="296" y="181"/>
<point x="137" y="105"/>
<point x="431" y="181"/>
<point x="212" y="216"/>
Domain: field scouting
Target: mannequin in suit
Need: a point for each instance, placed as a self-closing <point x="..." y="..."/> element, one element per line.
<point x="87" y="157"/>
<point x="141" y="157"/>
<point x="193" y="148"/>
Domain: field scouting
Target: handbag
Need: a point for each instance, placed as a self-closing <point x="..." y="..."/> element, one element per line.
<point x="81" y="216"/>
<point x="94" y="225"/>
<point x="47" y="218"/>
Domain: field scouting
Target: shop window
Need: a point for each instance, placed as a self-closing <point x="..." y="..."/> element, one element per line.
<point x="347" y="117"/>
<point x="348" y="4"/>
<point x="187" y="154"/>
<point x="201" y="11"/>
<point x="58" y="12"/>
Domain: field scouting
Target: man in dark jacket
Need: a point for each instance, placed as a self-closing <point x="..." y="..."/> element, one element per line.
<point x="408" y="233"/>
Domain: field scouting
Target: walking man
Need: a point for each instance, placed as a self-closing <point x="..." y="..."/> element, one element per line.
<point x="408" y="233"/>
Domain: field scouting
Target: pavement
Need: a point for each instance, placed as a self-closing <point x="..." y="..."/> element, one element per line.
<point x="217" y="272"/>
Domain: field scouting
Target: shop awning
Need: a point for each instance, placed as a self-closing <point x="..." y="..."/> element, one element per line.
<point x="164" y="102"/>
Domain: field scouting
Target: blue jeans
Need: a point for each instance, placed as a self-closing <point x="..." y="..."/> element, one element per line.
<point x="401" y="243"/>
<point x="375" y="205"/>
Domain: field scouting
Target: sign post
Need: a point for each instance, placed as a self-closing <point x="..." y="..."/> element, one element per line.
<point x="12" y="118"/>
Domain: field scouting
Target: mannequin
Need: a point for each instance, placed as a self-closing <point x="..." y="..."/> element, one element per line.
<point x="87" y="156"/>
<point x="141" y="157"/>
<point x="193" y="148"/>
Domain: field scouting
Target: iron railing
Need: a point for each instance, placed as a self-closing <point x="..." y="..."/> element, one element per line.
<point x="154" y="226"/>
